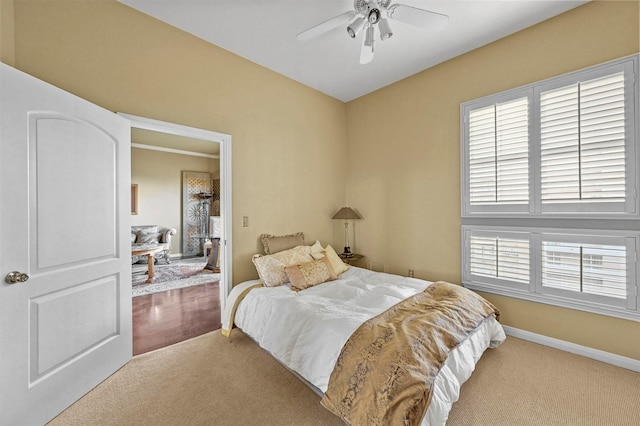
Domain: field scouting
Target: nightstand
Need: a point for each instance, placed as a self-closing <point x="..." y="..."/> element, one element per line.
<point x="353" y="257"/>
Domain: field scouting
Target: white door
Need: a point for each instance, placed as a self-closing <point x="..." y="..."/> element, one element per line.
<point x="64" y="222"/>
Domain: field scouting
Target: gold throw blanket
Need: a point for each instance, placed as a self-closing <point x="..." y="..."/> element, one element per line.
<point x="385" y="372"/>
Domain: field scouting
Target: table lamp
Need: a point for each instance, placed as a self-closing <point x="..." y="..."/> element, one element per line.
<point x="347" y="214"/>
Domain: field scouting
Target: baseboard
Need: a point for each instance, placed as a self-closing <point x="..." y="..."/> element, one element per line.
<point x="609" y="358"/>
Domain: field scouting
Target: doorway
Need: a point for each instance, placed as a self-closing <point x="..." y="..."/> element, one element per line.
<point x="173" y="149"/>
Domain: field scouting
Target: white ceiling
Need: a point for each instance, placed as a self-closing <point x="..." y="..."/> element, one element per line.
<point x="264" y="31"/>
<point x="165" y="140"/>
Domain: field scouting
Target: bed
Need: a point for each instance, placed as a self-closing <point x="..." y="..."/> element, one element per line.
<point x="307" y="330"/>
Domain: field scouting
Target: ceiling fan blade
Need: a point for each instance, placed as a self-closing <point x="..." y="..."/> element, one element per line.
<point x="326" y="26"/>
<point x="418" y="17"/>
<point x="368" y="42"/>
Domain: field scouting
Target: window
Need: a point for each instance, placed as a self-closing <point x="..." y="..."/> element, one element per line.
<point x="499" y="153"/>
<point x="540" y="161"/>
<point x="582" y="141"/>
<point x="577" y="268"/>
<point x="565" y="147"/>
<point x="501" y="256"/>
<point x="586" y="269"/>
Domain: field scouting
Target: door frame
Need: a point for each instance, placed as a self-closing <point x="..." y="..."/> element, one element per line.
<point x="225" y="186"/>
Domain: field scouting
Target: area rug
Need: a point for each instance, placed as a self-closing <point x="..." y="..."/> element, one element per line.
<point x="170" y="277"/>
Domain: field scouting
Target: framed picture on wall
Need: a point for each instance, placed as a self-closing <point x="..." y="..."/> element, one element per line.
<point x="134" y="198"/>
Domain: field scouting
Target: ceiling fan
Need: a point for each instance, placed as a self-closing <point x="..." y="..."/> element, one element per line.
<point x="368" y="14"/>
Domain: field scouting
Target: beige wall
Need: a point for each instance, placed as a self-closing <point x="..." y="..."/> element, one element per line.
<point x="6" y="32"/>
<point x="290" y="143"/>
<point x="404" y="170"/>
<point x="288" y="140"/>
<point x="159" y="178"/>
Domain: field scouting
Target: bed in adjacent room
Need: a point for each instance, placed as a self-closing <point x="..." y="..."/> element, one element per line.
<point x="377" y="347"/>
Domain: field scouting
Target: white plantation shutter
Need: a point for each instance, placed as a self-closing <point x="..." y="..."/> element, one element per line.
<point x="595" y="269"/>
<point x="550" y="187"/>
<point x="582" y="141"/>
<point x="482" y="155"/>
<point x="499" y="153"/>
<point x="483" y="256"/>
<point x="513" y="260"/>
<point x="502" y="258"/>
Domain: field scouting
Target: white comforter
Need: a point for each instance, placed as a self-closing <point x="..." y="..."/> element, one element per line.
<point x="306" y="330"/>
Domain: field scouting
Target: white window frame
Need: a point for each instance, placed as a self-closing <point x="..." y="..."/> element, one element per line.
<point x="493" y="283"/>
<point x="579" y="209"/>
<point x="585" y="222"/>
<point x="587" y="236"/>
<point x="535" y="208"/>
<point x="472" y="210"/>
<point x="628" y="308"/>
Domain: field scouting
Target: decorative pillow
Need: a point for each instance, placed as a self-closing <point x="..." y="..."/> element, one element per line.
<point x="317" y="252"/>
<point x="273" y="244"/>
<point x="271" y="267"/>
<point x="338" y="265"/>
<point x="145" y="237"/>
<point x="308" y="274"/>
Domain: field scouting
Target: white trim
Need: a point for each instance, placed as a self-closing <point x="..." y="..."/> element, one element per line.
<point x="226" y="267"/>
<point x="173" y="151"/>
<point x="563" y="345"/>
<point x="174" y="129"/>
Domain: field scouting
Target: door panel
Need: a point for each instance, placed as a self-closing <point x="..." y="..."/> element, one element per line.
<point x="58" y="182"/>
<point x="93" y="317"/>
<point x="65" y="221"/>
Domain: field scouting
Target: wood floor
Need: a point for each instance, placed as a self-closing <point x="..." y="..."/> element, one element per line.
<point x="162" y="319"/>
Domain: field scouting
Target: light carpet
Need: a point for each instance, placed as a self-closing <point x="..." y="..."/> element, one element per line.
<point x="213" y="380"/>
<point x="178" y="274"/>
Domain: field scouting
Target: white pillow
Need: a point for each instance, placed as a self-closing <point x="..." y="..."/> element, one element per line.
<point x="317" y="251"/>
<point x="338" y="265"/>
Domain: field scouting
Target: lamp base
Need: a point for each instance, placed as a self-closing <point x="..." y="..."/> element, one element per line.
<point x="347" y="252"/>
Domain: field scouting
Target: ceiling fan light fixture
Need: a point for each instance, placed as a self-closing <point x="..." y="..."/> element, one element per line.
<point x="355" y="27"/>
<point x="374" y="15"/>
<point x="385" y="29"/>
<point x="367" y="15"/>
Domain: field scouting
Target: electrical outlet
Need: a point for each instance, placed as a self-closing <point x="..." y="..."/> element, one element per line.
<point x="386" y="268"/>
<point x="369" y="266"/>
<point x="411" y="273"/>
<point x="245" y="221"/>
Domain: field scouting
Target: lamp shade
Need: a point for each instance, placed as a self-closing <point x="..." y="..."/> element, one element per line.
<point x="346" y="213"/>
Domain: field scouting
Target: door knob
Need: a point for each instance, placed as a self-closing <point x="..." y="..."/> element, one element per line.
<point x="16" y="277"/>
